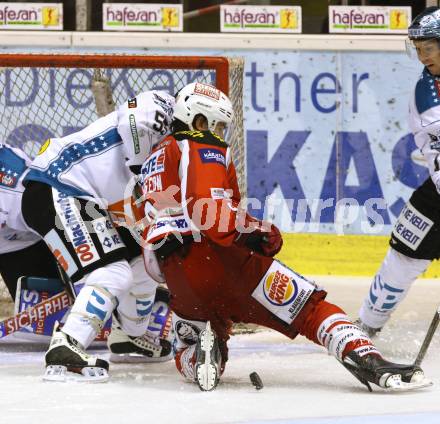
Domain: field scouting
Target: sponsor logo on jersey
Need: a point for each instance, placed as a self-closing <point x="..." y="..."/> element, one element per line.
<point x="283" y="292"/>
<point x="154" y="164"/>
<point x="153" y="183"/>
<point x="107" y="234"/>
<point x="59" y="250"/>
<point x="178" y="223"/>
<point x="279" y="288"/>
<point x="132" y="103"/>
<point x="219" y="193"/>
<point x="411" y="227"/>
<point x="207" y="90"/>
<point x="212" y="156"/>
<point x="134" y="133"/>
<point x="74" y="228"/>
<point x="8" y="180"/>
<point x="165" y="225"/>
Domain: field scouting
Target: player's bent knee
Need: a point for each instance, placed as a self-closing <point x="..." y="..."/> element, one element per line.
<point x="142" y="281"/>
<point x="116" y="277"/>
<point x="91" y="310"/>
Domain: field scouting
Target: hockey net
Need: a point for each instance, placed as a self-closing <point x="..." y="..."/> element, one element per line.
<point x="43" y="96"/>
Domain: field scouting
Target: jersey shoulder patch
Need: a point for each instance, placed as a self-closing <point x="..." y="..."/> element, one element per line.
<point x="12" y="167"/>
<point x="427" y="92"/>
<point x="202" y="137"/>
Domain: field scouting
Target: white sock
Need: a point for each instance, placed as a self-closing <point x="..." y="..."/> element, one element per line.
<point x="389" y="287"/>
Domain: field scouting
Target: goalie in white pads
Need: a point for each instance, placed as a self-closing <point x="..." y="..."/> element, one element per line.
<point x="415" y="240"/>
<point x="218" y="260"/>
<point x="74" y="193"/>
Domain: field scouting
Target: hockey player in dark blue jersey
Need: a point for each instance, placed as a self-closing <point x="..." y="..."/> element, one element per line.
<point x="415" y="239"/>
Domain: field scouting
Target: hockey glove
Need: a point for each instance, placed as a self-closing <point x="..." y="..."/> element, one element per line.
<point x="267" y="243"/>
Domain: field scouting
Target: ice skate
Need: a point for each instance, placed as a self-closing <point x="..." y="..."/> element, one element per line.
<point x="145" y="348"/>
<point x="373" y="368"/>
<point x="208" y="360"/>
<point x="66" y="360"/>
<point x="370" y="331"/>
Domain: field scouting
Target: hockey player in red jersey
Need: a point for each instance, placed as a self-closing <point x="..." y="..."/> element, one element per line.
<point x="218" y="260"/>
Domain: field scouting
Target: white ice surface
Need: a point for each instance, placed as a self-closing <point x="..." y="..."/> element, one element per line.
<point x="302" y="384"/>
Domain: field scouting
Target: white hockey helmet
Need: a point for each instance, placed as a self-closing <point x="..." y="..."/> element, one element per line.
<point x="198" y="98"/>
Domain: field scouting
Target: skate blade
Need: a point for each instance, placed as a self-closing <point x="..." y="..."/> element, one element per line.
<point x="207" y="339"/>
<point x="59" y="373"/>
<point x="134" y="358"/>
<point x="207" y="378"/>
<point x="418" y="381"/>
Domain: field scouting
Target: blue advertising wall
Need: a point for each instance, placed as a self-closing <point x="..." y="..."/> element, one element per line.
<point x="324" y="130"/>
<point x="326" y="127"/>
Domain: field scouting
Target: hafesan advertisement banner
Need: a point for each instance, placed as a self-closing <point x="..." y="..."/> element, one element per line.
<point x="31" y="16"/>
<point x="278" y="19"/>
<point x="142" y="17"/>
<point x="369" y="19"/>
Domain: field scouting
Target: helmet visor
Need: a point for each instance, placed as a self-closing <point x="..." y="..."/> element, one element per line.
<point x="422" y="49"/>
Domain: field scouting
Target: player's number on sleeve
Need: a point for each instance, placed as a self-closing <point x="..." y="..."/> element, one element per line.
<point x="160" y="123"/>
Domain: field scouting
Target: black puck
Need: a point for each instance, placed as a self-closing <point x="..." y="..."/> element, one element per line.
<point x="256" y="380"/>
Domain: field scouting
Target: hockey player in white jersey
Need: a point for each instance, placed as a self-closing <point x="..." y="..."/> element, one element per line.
<point x="21" y="251"/>
<point x="415" y="240"/>
<point x="74" y="193"/>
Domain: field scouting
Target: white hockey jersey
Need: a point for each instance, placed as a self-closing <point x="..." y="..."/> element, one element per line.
<point x="424" y="121"/>
<point x="14" y="234"/>
<point x="94" y="163"/>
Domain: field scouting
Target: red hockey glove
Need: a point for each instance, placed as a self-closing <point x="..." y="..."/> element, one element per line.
<point x="267" y="243"/>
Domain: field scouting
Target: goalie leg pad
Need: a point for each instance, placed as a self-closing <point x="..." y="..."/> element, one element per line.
<point x="33" y="290"/>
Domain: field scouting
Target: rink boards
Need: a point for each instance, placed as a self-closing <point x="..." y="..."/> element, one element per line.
<point x="332" y="254"/>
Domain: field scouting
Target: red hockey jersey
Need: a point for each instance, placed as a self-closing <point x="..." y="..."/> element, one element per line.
<point x="190" y="187"/>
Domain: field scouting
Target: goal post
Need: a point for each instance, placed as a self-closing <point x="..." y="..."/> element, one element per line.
<point x="53" y="95"/>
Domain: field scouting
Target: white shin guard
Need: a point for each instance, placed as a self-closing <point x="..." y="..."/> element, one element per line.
<point x="389" y="287"/>
<point x="91" y="310"/>
<point x="135" y="305"/>
<point x="97" y="300"/>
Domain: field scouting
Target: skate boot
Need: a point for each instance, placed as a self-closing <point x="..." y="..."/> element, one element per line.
<point x="66" y="360"/>
<point x="372" y="368"/>
<point x="208" y="360"/>
<point x="370" y="331"/>
<point x="145" y="348"/>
